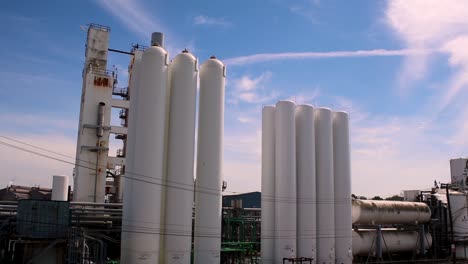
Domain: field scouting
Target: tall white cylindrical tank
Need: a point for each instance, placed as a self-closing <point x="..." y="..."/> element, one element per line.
<point x="268" y="185"/>
<point x="342" y="182"/>
<point x="306" y="182"/>
<point x="364" y="242"/>
<point x="370" y="212"/>
<point x="141" y="221"/>
<point x="132" y="116"/>
<point x="285" y="181"/>
<point x="59" y="188"/>
<point x="207" y="247"/>
<point x="325" y="187"/>
<point x="180" y="157"/>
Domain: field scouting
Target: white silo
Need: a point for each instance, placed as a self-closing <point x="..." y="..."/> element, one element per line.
<point x="325" y="188"/>
<point x="342" y="181"/>
<point x="285" y="181"/>
<point x="132" y="116"/>
<point x="207" y="245"/>
<point x="268" y="185"/>
<point x="59" y="188"/>
<point x="306" y="182"/>
<point x="180" y="157"/>
<point x="141" y="221"/>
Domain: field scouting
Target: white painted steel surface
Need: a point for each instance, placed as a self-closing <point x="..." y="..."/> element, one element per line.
<point x="306" y="182"/>
<point x="395" y="241"/>
<point x="325" y="187"/>
<point x="90" y="170"/>
<point x="132" y="117"/>
<point x="285" y="181"/>
<point x="59" y="188"/>
<point x="457" y="171"/>
<point x="342" y="183"/>
<point x="180" y="159"/>
<point x="268" y="185"/>
<point x="141" y="225"/>
<point x="459" y="208"/>
<point x="207" y="232"/>
<point x="369" y="212"/>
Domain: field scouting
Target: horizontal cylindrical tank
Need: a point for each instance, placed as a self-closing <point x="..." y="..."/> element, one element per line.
<point x="141" y="221"/>
<point x="180" y="157"/>
<point x="59" y="188"/>
<point x="285" y="181"/>
<point x="342" y="180"/>
<point x="371" y="212"/>
<point x="207" y="244"/>
<point x="325" y="187"/>
<point x="364" y="242"/>
<point x="306" y="182"/>
<point x="268" y="185"/>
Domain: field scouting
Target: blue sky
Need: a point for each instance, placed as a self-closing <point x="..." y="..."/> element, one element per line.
<point x="399" y="67"/>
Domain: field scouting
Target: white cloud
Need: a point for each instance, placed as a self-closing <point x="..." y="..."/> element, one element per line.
<point x="309" y="97"/>
<point x="425" y="24"/>
<point x="23" y="168"/>
<point x="266" y="57"/>
<point x="251" y="89"/>
<point x="212" y="21"/>
<point x="245" y="120"/>
<point x="134" y="16"/>
<point x="246" y="83"/>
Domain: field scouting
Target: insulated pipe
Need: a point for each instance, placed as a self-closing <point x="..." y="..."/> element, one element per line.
<point x="59" y="188"/>
<point x="370" y="212"/>
<point x="342" y="183"/>
<point x="207" y="245"/>
<point x="285" y="181"/>
<point x="141" y="223"/>
<point x="325" y="186"/>
<point x="306" y="182"/>
<point x="268" y="185"/>
<point x="183" y="74"/>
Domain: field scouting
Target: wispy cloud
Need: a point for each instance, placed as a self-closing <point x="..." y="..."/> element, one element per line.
<point x="425" y="24"/>
<point x="133" y="16"/>
<point x="247" y="83"/>
<point x="267" y="57"/>
<point x="212" y="21"/>
<point x="251" y="89"/>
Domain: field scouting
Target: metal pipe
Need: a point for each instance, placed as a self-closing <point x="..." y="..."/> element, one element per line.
<point x="454" y="254"/>
<point x="97" y="204"/>
<point x="120" y="51"/>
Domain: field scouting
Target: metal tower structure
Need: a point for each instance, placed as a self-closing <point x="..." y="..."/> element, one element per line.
<point x="92" y="152"/>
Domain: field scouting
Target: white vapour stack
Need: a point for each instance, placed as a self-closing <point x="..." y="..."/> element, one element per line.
<point x="207" y="233"/>
<point x="141" y="221"/>
<point x="306" y="182"/>
<point x="180" y="157"/>
<point x="132" y="116"/>
<point x="59" y="188"/>
<point x="268" y="185"/>
<point x="325" y="187"/>
<point x="342" y="172"/>
<point x="285" y="181"/>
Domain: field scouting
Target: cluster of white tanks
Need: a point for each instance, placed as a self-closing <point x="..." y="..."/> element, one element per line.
<point x="306" y="188"/>
<point x="159" y="187"/>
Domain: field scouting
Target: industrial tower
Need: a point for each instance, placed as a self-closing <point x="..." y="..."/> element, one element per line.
<point x="93" y="163"/>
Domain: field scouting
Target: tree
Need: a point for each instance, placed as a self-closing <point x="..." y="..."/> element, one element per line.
<point x="394" y="198"/>
<point x="377" y="198"/>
